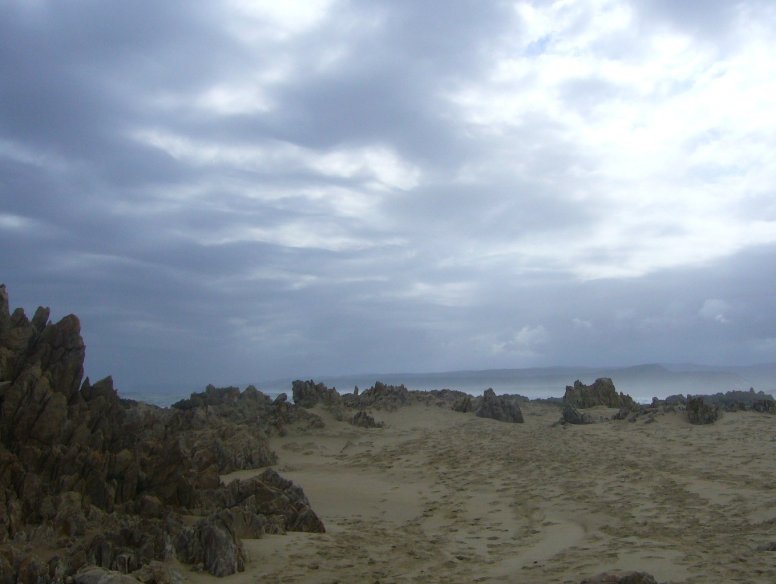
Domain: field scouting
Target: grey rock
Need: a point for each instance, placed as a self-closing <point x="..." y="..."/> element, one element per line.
<point x="572" y="415"/>
<point x="364" y="420"/>
<point x="502" y="408"/>
<point x="621" y="578"/>
<point x="98" y="575"/>
<point x="601" y="393"/>
<point x="699" y="412"/>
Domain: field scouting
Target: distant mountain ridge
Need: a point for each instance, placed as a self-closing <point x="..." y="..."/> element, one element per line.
<point x="642" y="382"/>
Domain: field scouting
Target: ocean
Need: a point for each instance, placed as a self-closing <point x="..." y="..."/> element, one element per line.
<point x="642" y="382"/>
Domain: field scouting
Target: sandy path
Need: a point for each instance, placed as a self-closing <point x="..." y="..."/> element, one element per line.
<point x="438" y="496"/>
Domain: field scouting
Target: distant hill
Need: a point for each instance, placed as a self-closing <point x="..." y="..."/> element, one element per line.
<point x="642" y="382"/>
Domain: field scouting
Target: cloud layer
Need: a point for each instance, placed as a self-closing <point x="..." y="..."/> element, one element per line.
<point x="245" y="190"/>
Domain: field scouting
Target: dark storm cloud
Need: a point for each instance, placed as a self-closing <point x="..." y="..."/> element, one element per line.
<point x="236" y="192"/>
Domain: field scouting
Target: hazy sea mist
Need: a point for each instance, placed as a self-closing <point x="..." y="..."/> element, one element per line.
<point x="642" y="382"/>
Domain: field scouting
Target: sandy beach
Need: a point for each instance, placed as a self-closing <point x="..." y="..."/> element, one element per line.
<point x="440" y="496"/>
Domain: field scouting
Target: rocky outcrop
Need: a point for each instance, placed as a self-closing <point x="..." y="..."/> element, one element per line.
<point x="463" y="404"/>
<point x="601" y="393"/>
<point x="103" y="480"/>
<point x="699" y="412"/>
<point x="572" y="415"/>
<point x="502" y="408"/>
<point x="733" y="401"/>
<point x="308" y="394"/>
<point x="621" y="578"/>
<point x="362" y="419"/>
<point x="380" y="397"/>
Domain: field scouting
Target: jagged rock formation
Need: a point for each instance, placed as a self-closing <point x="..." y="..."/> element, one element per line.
<point x="699" y="412"/>
<point x="572" y="415"/>
<point x="102" y="480"/>
<point x="601" y="393"/>
<point x="463" y="404"/>
<point x="308" y="394"/>
<point x="621" y="578"/>
<point x="364" y="420"/>
<point x="502" y="408"/>
<point x="732" y="401"/>
<point x="381" y="397"/>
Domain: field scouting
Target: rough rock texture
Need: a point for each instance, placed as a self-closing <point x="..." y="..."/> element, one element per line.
<point x="732" y="401"/>
<point x="102" y="479"/>
<point x="766" y="406"/>
<point x="308" y="394"/>
<point x="502" y="408"/>
<point x="97" y="575"/>
<point x="463" y="404"/>
<point x="621" y="578"/>
<point x="699" y="412"/>
<point x="572" y="415"/>
<point x="601" y="393"/>
<point x="381" y="397"/>
<point x="365" y="420"/>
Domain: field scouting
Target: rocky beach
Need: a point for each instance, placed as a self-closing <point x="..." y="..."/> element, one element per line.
<point x="383" y="485"/>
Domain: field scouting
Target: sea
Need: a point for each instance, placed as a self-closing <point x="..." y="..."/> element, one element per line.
<point x="641" y="382"/>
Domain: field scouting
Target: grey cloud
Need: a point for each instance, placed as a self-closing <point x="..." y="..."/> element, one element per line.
<point x="155" y="252"/>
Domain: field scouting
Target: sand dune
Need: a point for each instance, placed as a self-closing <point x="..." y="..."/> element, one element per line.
<point x="438" y="496"/>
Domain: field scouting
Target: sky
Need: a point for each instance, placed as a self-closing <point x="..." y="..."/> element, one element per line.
<point x="242" y="190"/>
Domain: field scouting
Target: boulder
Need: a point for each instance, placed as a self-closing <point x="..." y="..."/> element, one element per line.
<point x="97" y="575"/>
<point x="699" y="412"/>
<point x="463" y="404"/>
<point x="363" y="420"/>
<point x="572" y="415"/>
<point x="601" y="393"/>
<point x="502" y="408"/>
<point x="380" y="397"/>
<point x="308" y="394"/>
<point x="621" y="578"/>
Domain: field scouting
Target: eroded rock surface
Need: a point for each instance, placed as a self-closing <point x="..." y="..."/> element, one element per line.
<point x="102" y="481"/>
<point x="503" y="408"/>
<point x="699" y="412"/>
<point x="601" y="393"/>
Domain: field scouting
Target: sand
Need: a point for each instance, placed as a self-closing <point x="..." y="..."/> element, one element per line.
<point x="438" y="496"/>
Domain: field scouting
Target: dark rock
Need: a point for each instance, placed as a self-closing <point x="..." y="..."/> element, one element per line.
<point x="380" y="397"/>
<point x="211" y="544"/>
<point x="158" y="573"/>
<point x="102" y="478"/>
<point x="502" y="408"/>
<point x="572" y="415"/>
<point x="364" y="420"/>
<point x="621" y="578"/>
<point x="601" y="393"/>
<point x="765" y="406"/>
<point x="463" y="404"/>
<point x="699" y="412"/>
<point x="308" y="394"/>
<point x="98" y="575"/>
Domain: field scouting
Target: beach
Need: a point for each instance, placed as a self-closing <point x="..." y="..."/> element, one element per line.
<point x="440" y="496"/>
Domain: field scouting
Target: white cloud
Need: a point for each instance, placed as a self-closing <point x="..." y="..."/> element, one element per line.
<point x="673" y="145"/>
<point x="377" y="167"/>
<point x="524" y="342"/>
<point x="252" y="20"/>
<point x="581" y="323"/>
<point x="716" y="310"/>
<point x="12" y="222"/>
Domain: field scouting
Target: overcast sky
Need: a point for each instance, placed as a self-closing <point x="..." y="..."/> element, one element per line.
<point x="241" y="190"/>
